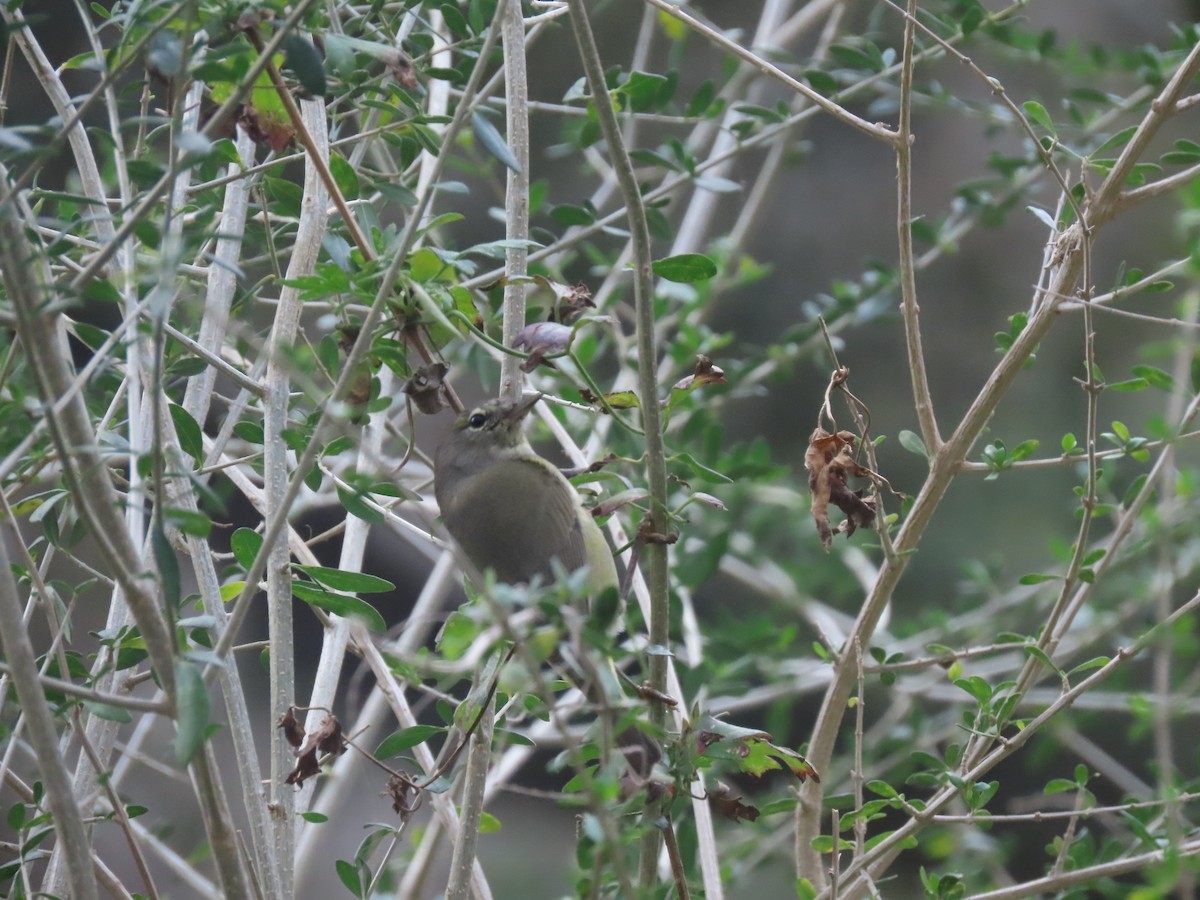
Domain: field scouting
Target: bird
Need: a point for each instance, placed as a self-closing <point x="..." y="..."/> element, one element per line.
<point x="511" y="510"/>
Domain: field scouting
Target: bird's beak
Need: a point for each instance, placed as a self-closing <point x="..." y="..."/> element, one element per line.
<point x="522" y="407"/>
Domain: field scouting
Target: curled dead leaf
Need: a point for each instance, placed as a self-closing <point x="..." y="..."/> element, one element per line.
<point x="646" y="692"/>
<point x="570" y="301"/>
<point x="405" y="794"/>
<point x="726" y="804"/>
<point x="401" y="68"/>
<point x="829" y="461"/>
<point x="427" y="388"/>
<point x="293" y="731"/>
<point x="611" y="504"/>
<point x="266" y="128"/>
<point x="325" y="739"/>
<point x="704" y="372"/>
<point x="306" y="767"/>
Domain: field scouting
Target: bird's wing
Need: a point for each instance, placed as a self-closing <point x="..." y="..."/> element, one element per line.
<point x="540" y="521"/>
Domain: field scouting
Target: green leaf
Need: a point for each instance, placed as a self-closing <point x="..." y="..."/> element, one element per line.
<point x="168" y="565"/>
<point x="487" y="134"/>
<point x="911" y="441"/>
<point x="189" y="521"/>
<point x="1037" y="113"/>
<point x="824" y="844"/>
<point x="976" y="687"/>
<point x="621" y="400"/>
<point x="1024" y="450"/>
<point x="1118" y="140"/>
<point x="643" y="89"/>
<point x="1059" y="786"/>
<point x="1095" y="662"/>
<point x="350" y="878"/>
<point x="405" y="739"/>
<point x="358" y="507"/>
<point x="1131" y="384"/>
<point x="191" y="438"/>
<point x="1039" y="654"/>
<point x="883" y="789"/>
<point x="1155" y="377"/>
<point x="344" y="175"/>
<point x="191" y="710"/>
<point x="488" y="824"/>
<point x="1036" y="578"/>
<point x="703" y="472"/>
<point x="107" y="712"/>
<point x="567" y="215"/>
<point x="685" y="268"/>
<point x="352" y="582"/>
<point x="340" y="605"/>
<point x="701" y="100"/>
<point x="303" y="59"/>
<point x="821" y="82"/>
<point x="245" y="544"/>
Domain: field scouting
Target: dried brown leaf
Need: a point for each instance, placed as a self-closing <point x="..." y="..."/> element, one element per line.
<point x="724" y="803"/>
<point x="293" y="731"/>
<point x="828" y="461"/>
<point x="427" y="388"/>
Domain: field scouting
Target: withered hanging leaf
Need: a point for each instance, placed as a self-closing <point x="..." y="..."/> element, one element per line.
<point x="327" y="738"/>
<point x="359" y="394"/>
<point x="571" y="301"/>
<point x="293" y="731"/>
<point x="539" y="340"/>
<point x="267" y="127"/>
<point x="828" y="460"/>
<point x="646" y="692"/>
<point x="726" y="804"/>
<point x="401" y="68"/>
<point x="427" y="388"/>
<point x="405" y="794"/>
<point x="703" y="373"/>
<point x="306" y="767"/>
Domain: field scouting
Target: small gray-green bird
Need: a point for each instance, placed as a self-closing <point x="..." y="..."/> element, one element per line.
<point x="509" y="509"/>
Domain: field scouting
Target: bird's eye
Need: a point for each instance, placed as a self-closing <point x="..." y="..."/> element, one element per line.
<point x="477" y="420"/>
